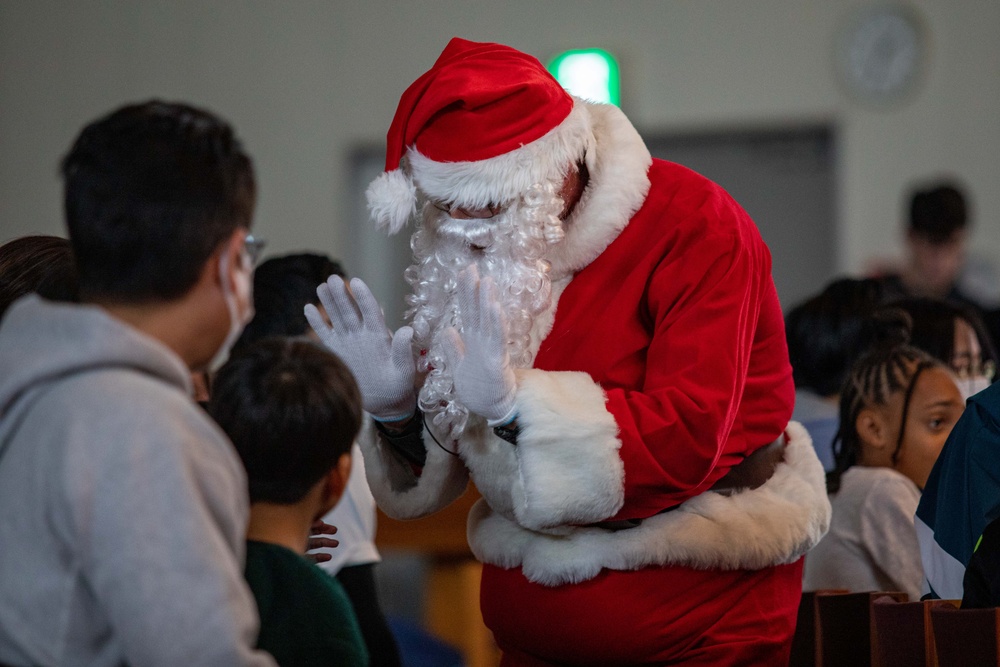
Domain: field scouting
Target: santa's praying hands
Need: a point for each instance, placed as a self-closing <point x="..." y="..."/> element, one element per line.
<point x="595" y="340"/>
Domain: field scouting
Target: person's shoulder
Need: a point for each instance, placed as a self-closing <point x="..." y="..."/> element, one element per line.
<point x="987" y="408"/>
<point x="882" y="486"/>
<point x="132" y="396"/>
<point x="296" y="576"/>
<point x="686" y="189"/>
<point x="121" y="384"/>
<point x="673" y="176"/>
<point x="120" y="412"/>
<point x="972" y="443"/>
<point x="880" y="476"/>
<point x="697" y="205"/>
<point x="261" y="574"/>
<point x="282" y="579"/>
<point x="305" y="616"/>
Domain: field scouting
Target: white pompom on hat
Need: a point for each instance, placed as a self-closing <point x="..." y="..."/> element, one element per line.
<point x="479" y="128"/>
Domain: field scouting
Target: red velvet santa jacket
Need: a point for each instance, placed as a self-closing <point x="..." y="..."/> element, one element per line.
<point x="661" y="364"/>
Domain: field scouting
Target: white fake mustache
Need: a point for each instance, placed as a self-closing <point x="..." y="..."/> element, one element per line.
<point x="475" y="232"/>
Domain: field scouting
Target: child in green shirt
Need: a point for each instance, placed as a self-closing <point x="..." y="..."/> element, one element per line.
<point x="292" y="411"/>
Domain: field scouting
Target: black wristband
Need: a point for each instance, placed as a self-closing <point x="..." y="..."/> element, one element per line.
<point x="507" y="432"/>
<point x="407" y="441"/>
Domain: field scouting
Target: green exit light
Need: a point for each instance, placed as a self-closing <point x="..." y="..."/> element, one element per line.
<point x="588" y="73"/>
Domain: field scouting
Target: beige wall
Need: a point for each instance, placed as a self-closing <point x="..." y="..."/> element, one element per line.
<point x="304" y="82"/>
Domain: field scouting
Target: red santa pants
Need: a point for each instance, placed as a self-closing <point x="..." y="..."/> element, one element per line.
<point x="655" y="616"/>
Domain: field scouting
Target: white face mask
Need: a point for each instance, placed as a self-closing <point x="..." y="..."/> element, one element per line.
<point x="244" y="293"/>
<point x="972" y="386"/>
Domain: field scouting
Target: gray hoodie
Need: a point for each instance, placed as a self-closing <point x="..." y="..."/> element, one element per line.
<point x="122" y="505"/>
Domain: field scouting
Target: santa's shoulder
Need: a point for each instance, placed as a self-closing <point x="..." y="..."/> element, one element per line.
<point x="691" y="203"/>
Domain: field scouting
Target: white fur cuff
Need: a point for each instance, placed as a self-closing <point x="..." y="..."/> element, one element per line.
<point x="397" y="490"/>
<point x="567" y="452"/>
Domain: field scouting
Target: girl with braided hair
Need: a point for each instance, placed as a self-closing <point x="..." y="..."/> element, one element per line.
<point x="897" y="408"/>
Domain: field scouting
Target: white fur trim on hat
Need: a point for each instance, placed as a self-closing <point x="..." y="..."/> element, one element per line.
<point x="770" y="525"/>
<point x="392" y="200"/>
<point x="505" y="177"/>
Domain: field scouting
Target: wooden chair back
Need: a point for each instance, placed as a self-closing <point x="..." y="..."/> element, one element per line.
<point x="966" y="636"/>
<point x="804" y="640"/>
<point x="903" y="633"/>
<point x="844" y="636"/>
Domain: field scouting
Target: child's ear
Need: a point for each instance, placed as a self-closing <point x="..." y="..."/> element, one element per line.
<point x="872" y="428"/>
<point x="336" y="480"/>
<point x="343" y="469"/>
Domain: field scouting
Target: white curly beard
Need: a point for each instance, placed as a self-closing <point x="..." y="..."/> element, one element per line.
<point x="509" y="248"/>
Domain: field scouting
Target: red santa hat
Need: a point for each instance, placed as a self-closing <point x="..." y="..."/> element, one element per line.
<point x="480" y="127"/>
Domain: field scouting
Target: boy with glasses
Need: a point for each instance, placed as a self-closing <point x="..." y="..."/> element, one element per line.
<point x="122" y="505"/>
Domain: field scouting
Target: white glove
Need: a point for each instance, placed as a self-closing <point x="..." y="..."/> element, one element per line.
<point x="478" y="357"/>
<point x="382" y="363"/>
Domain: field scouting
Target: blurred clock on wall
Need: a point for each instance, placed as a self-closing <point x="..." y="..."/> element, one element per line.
<point x="881" y="54"/>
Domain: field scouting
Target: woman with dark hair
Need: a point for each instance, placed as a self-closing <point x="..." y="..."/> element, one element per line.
<point x="42" y="264"/>
<point x="955" y="334"/>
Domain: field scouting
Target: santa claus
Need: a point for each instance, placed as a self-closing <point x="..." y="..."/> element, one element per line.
<point x="596" y="342"/>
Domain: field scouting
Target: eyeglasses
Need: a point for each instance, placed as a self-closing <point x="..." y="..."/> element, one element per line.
<point x="253" y="247"/>
<point x="466" y="213"/>
<point x="965" y="370"/>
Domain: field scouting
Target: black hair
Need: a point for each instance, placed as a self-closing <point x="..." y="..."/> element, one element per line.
<point x="291" y="410"/>
<point x="42" y="264"/>
<point x="825" y="333"/>
<point x="938" y="212"/>
<point x="282" y="286"/>
<point x="151" y="190"/>
<point x="933" y="329"/>
<point x="891" y="366"/>
<point x="991" y="322"/>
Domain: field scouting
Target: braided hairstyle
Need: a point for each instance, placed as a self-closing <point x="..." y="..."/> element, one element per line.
<point x="891" y="366"/>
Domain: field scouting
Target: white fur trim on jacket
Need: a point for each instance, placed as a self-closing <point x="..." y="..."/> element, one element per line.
<point x="619" y="182"/>
<point x="397" y="490"/>
<point x="752" y="529"/>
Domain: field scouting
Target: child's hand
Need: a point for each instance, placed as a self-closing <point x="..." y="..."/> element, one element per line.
<point x="320" y="527"/>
